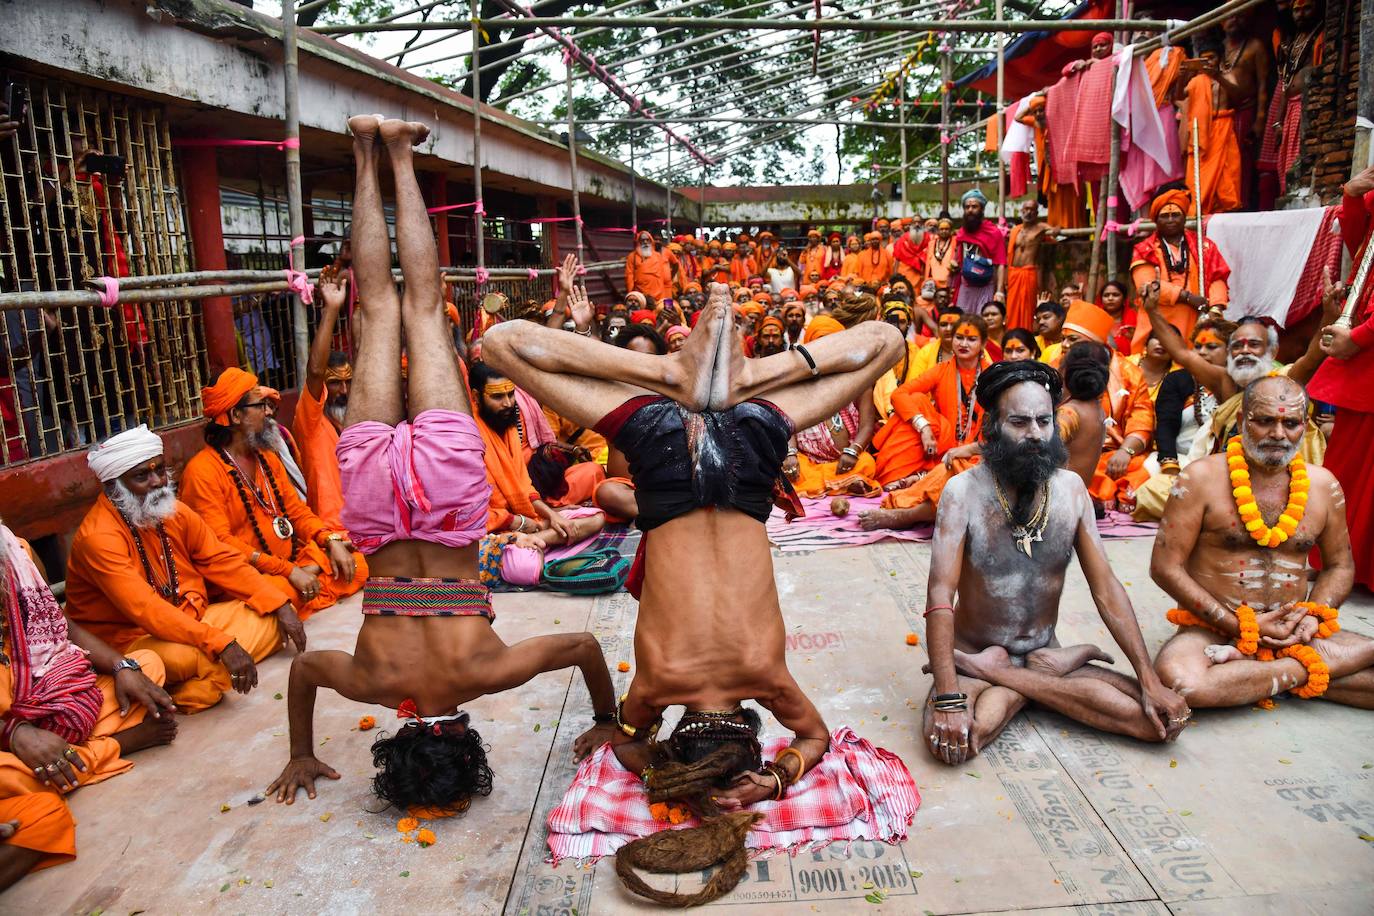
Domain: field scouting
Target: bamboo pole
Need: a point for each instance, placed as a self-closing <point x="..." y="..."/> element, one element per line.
<point x="572" y="156"/>
<point x="634" y="187"/>
<point x="1113" y="169"/>
<point x="668" y="190"/>
<point x="478" y="215"/>
<point x="296" y="253"/>
<point x="1197" y="201"/>
<point x="901" y="119"/>
<point x="713" y="23"/>
<point x="832" y="122"/>
<point x="946" y="70"/>
<point x="1095" y="259"/>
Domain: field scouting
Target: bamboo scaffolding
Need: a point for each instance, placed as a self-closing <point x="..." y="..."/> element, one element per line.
<point x="713" y="23"/>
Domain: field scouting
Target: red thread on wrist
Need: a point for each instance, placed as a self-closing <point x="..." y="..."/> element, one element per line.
<point x="938" y="607"/>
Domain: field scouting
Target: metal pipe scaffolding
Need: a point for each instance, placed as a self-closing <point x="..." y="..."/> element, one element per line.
<point x="712" y="23"/>
<point x="296" y="216"/>
<point x="478" y="212"/>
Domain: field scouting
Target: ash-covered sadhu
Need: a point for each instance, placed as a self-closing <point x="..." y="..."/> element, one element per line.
<point x="990" y="623"/>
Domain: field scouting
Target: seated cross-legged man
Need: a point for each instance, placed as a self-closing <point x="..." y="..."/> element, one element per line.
<point x="140" y="576"/>
<point x="415" y="499"/>
<point x="1249" y="625"/>
<point x="1003" y="538"/>
<point x="238" y="485"/>
<point x="71" y="711"/>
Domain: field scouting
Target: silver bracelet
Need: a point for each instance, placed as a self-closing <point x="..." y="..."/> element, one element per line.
<point x="586" y="333"/>
<point x="521" y="527"/>
<point x="921" y="423"/>
<point x="851" y="451"/>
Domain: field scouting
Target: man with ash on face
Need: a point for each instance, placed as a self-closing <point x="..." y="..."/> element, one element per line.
<point x="1022" y="516"/>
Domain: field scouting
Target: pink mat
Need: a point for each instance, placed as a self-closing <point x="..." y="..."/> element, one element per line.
<point x="819" y="530"/>
<point x="856" y="792"/>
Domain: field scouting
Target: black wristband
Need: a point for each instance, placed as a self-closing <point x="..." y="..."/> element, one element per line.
<point x="603" y="718"/>
<point x="810" y="361"/>
<point x="951" y="697"/>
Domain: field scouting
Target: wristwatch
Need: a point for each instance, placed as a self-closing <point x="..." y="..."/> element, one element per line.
<point x="126" y="663"/>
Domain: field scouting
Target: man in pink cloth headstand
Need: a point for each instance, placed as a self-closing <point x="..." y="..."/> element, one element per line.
<point x="415" y="500"/>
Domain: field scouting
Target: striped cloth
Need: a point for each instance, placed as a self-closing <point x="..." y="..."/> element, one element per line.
<point x="856" y="792"/>
<point x="406" y="597"/>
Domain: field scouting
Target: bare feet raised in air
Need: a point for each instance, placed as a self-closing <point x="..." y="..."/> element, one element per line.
<point x="873" y="519"/>
<point x="395" y="131"/>
<point x="148" y="733"/>
<point x="1060" y="660"/>
<point x="365" y="128"/>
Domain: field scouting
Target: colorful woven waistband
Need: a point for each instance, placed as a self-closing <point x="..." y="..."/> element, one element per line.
<point x="426" y="597"/>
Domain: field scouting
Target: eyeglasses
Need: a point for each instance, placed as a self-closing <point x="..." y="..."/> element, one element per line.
<point x="262" y="404"/>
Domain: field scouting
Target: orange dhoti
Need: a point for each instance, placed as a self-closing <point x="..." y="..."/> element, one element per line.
<point x="582" y="480"/>
<point x="823" y="478"/>
<point x="1104" y="488"/>
<point x="194" y="679"/>
<point x="331" y="589"/>
<point x="900" y="452"/>
<point x="929" y="487"/>
<point x="45" y="824"/>
<point x="1022" y="285"/>
<point x="612" y="483"/>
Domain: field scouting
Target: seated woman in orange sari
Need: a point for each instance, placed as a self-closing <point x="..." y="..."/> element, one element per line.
<point x="940" y="408"/>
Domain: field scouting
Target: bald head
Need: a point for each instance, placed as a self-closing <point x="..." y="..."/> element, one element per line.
<point x="1274" y="419"/>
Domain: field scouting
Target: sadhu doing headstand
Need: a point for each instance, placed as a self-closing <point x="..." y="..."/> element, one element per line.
<point x="415" y="501"/>
<point x="705" y="431"/>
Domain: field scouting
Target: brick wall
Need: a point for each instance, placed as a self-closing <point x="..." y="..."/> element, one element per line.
<point x="1329" y="109"/>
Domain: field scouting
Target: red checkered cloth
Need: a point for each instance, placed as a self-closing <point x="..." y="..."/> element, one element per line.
<point x="1268" y="159"/>
<point x="1326" y="252"/>
<point x="856" y="792"/>
<point x="1078" y="111"/>
<point x="1291" y="146"/>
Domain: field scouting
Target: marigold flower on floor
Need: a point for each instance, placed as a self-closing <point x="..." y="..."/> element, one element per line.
<point x="407" y="824"/>
<point x="426" y="837"/>
<point x="366" y="723"/>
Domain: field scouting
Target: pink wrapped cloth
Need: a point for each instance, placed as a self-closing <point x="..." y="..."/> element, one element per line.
<point x="856" y="792"/>
<point x="421" y="480"/>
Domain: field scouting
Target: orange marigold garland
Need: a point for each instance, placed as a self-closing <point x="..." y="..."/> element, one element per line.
<point x="1318" y="674"/>
<point x="1292" y="514"/>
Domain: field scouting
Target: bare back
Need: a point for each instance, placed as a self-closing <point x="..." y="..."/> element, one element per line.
<point x="1006" y="598"/>
<point x="710" y="632"/>
<point x="437" y="661"/>
<point x="1081" y="425"/>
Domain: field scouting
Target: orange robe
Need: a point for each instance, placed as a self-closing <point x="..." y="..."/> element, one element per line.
<point x="1161" y="79"/>
<point x="939" y="268"/>
<point x="742" y="268"/>
<point x="849" y="267"/>
<point x="1217" y="147"/>
<point x="208" y="487"/>
<point x="1022" y="285"/>
<point x="108" y="594"/>
<point x="1148" y="264"/>
<point x="934" y="395"/>
<point x="1126" y="404"/>
<point x="569" y="432"/>
<point x="652" y="276"/>
<point x="46" y="825"/>
<point x="811" y="260"/>
<point x="875" y="267"/>
<point x="317" y="440"/>
<point x="54" y="829"/>
<point x="1063" y="202"/>
<point x="512" y="491"/>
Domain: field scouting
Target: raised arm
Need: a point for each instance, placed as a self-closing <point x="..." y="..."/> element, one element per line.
<point x="1164" y="708"/>
<point x="1203" y="372"/>
<point x="1333" y="297"/>
<point x="335" y="293"/>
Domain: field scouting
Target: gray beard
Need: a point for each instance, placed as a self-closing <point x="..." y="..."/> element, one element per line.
<point x="1253" y="369"/>
<point x="1268" y="457"/>
<point x="267" y="440"/>
<point x="336" y="413"/>
<point x="155" y="506"/>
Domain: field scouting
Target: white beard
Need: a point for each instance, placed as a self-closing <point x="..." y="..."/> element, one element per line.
<point x="155" y="506"/>
<point x="1266" y="456"/>
<point x="336" y="414"/>
<point x="1252" y="369"/>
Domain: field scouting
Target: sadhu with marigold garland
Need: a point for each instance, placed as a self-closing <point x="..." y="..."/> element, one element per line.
<point x="1232" y="551"/>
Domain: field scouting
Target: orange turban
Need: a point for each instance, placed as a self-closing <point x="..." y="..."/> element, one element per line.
<point x="813" y="233"/>
<point x="873" y="237"/>
<point x="221" y="397"/>
<point x="808" y="291"/>
<point x="821" y="326"/>
<point x="1088" y="320"/>
<point x="642" y="316"/>
<point x="788" y="292"/>
<point x="1181" y="199"/>
<point x="270" y="394"/>
<point x="763" y="297"/>
<point x="770" y="322"/>
<point x="750" y="308"/>
<point x="693" y="287"/>
<point x="881" y="222"/>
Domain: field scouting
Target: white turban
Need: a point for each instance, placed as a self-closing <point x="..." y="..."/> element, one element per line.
<point x="117" y="454"/>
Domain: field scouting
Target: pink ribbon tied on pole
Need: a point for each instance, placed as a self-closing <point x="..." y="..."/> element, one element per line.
<point x="482" y="276"/>
<point x="478" y="209"/>
<point x="109" y="296"/>
<point x="533" y="275"/>
<point x="298" y="283"/>
<point x="581" y="270"/>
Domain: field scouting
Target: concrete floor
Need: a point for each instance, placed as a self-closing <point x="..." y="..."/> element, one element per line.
<point x="1250" y="812"/>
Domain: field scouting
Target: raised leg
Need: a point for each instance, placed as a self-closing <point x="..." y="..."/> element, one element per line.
<point x="432" y="377"/>
<point x="848" y="362"/>
<point x="1094" y="701"/>
<point x="1207" y="677"/>
<point x="376" y="393"/>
